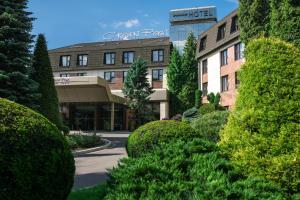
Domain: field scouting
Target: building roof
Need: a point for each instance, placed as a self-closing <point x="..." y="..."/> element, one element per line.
<point x="211" y="36"/>
<point x="122" y="44"/>
<point x="193" y="8"/>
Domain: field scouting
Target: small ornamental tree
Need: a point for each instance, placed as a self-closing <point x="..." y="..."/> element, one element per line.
<point x="42" y="74"/>
<point x="175" y="79"/>
<point x="15" y="40"/>
<point x="137" y="91"/>
<point x="262" y="136"/>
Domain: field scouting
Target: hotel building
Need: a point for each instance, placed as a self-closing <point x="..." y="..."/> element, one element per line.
<point x="89" y="78"/>
<point x="195" y="20"/>
<point x="220" y="56"/>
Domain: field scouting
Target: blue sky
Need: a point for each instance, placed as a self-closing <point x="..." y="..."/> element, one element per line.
<point x="67" y="22"/>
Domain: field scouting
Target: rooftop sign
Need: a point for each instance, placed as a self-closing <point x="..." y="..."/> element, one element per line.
<point x="141" y="34"/>
<point x="193" y="14"/>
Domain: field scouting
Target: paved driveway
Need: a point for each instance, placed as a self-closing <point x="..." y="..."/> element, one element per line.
<point x="91" y="168"/>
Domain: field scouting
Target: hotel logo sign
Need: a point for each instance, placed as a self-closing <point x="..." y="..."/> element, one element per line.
<point x="193" y="14"/>
<point x="141" y="34"/>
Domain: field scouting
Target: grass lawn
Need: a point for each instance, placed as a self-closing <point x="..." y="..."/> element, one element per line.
<point x="92" y="193"/>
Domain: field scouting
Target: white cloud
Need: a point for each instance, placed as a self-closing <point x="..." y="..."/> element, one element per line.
<point x="103" y="25"/>
<point x="233" y="1"/>
<point x="127" y="24"/>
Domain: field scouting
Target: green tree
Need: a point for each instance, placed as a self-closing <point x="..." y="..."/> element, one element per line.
<point x="285" y="20"/>
<point x="137" y="91"/>
<point x="15" y="44"/>
<point x="174" y="72"/>
<point x="253" y="19"/>
<point x="42" y="74"/>
<point x="262" y="136"/>
<point x="189" y="72"/>
<point x="214" y="99"/>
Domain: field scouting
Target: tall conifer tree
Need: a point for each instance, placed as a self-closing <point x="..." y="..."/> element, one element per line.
<point x="15" y="40"/>
<point x="42" y="74"/>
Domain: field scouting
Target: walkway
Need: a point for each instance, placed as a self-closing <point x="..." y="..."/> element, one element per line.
<point x="91" y="168"/>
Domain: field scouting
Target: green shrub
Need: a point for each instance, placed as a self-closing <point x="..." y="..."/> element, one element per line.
<point x="83" y="141"/>
<point x="35" y="160"/>
<point x="262" y="136"/>
<point x="209" y="125"/>
<point x="185" y="170"/>
<point x="190" y="114"/>
<point x="206" y="108"/>
<point x="147" y="136"/>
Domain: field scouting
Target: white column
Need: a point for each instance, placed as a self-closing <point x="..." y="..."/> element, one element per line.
<point x="164" y="110"/>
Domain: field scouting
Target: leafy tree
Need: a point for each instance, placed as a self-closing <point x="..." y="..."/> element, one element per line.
<point x="198" y="100"/>
<point x="262" y="136"/>
<point x="253" y="18"/>
<point x="174" y="72"/>
<point x="15" y="40"/>
<point x="137" y="91"/>
<point x="42" y="74"/>
<point x="189" y="72"/>
<point x="285" y="20"/>
<point x="214" y="99"/>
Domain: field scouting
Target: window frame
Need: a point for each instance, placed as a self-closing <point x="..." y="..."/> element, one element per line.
<point x="124" y="77"/>
<point x="160" y="75"/>
<point x="224" y="60"/>
<point x="68" y="61"/>
<point x="204" y="66"/>
<point x="159" y="55"/>
<point x="236" y="80"/>
<point x="224" y="88"/>
<point x="234" y="24"/>
<point x="112" y="58"/>
<point x="202" y="45"/>
<point x="127" y="57"/>
<point x="81" y="60"/>
<point x="205" y="92"/>
<point x="112" y="78"/>
<point x="238" y="51"/>
<point x="221" y="32"/>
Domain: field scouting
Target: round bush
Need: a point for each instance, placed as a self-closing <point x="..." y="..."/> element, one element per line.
<point x="262" y="136"/>
<point x="35" y="160"/>
<point x="149" y="135"/>
<point x="207" y="108"/>
<point x="209" y="125"/>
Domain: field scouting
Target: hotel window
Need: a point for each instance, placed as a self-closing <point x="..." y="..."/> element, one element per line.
<point x="224" y="83"/>
<point x="221" y="32"/>
<point x="234" y="24"/>
<point x="128" y="57"/>
<point x="204" y="67"/>
<point x="65" y="61"/>
<point x="202" y="43"/>
<point x="204" y="89"/>
<point x="109" y="58"/>
<point x="124" y="75"/>
<point x="237" y="80"/>
<point x="64" y="75"/>
<point x="239" y="51"/>
<point x="224" y="57"/>
<point x="82" y="60"/>
<point x="158" y="55"/>
<point x="157" y="75"/>
<point x="109" y="76"/>
<point x="81" y="74"/>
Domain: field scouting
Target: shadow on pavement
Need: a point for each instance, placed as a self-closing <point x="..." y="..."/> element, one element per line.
<point x="97" y="155"/>
<point x="86" y="180"/>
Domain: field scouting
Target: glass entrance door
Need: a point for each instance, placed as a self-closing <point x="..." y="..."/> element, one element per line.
<point x="84" y="118"/>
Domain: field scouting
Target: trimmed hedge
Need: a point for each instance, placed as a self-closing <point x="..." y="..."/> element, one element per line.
<point x="146" y="137"/>
<point x="209" y="125"/>
<point x="35" y="160"/>
<point x="206" y="108"/>
<point x="185" y="170"/>
<point x="262" y="136"/>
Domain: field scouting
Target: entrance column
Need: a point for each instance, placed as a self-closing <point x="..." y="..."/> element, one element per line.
<point x="112" y="117"/>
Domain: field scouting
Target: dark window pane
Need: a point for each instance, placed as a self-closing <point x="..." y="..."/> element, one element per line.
<point x="204" y="67"/>
<point x="221" y="32"/>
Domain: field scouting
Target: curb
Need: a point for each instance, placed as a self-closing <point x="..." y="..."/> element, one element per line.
<point x="81" y="152"/>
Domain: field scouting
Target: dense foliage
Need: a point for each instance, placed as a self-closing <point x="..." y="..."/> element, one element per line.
<point x="262" y="136"/>
<point x="137" y="91"/>
<point x="146" y="137"/>
<point x="209" y="125"/>
<point x="42" y="74"/>
<point x="190" y="114"/>
<point x="206" y="108"/>
<point x="35" y="160"/>
<point x="83" y="141"/>
<point x="185" y="170"/>
<point x="15" y="40"/>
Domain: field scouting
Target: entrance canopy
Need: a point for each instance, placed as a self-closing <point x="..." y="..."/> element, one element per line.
<point x="85" y="89"/>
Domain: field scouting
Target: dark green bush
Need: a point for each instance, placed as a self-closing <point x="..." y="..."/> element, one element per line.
<point x="191" y="170"/>
<point x="35" y="160"/>
<point x="190" y="115"/>
<point x="83" y="141"/>
<point x="149" y="135"/>
<point x="206" y="108"/>
<point x="209" y="125"/>
<point x="262" y="136"/>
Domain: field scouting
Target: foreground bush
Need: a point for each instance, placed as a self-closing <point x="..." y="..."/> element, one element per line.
<point x="206" y="108"/>
<point x="190" y="114"/>
<point x="209" y="125"/>
<point x="149" y="135"/>
<point x="185" y="170"/>
<point x="35" y="160"/>
<point x="262" y="136"/>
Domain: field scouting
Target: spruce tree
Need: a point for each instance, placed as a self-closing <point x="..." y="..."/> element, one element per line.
<point x="137" y="91"/>
<point x="15" y="40"/>
<point x="253" y="19"/>
<point x="174" y="73"/>
<point x="42" y="74"/>
<point x="285" y="20"/>
<point x="189" y="72"/>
